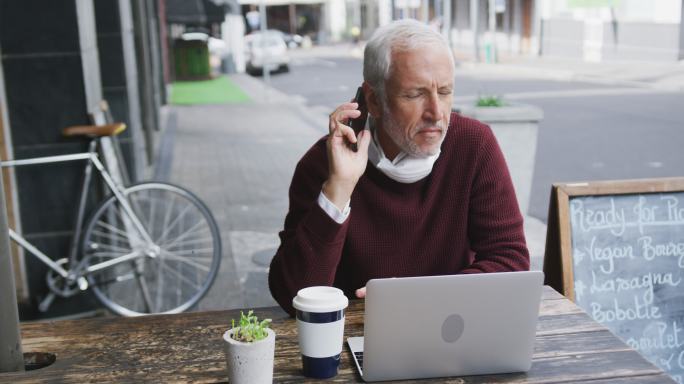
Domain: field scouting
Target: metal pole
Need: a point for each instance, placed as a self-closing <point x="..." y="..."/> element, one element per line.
<point x="357" y="18"/>
<point x="681" y="34"/>
<point x="266" y="69"/>
<point x="11" y="355"/>
<point x="425" y="10"/>
<point x="447" y="21"/>
<point x="474" y="19"/>
<point x="492" y="28"/>
<point x="293" y="18"/>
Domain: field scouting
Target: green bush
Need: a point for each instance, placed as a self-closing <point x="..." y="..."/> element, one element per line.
<point x="250" y="329"/>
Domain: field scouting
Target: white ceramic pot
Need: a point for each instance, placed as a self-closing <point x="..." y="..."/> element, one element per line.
<point x="249" y="363"/>
<point x="516" y="128"/>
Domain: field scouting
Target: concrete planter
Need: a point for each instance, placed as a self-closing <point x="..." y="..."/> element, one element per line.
<point x="249" y="363"/>
<point x="515" y="127"/>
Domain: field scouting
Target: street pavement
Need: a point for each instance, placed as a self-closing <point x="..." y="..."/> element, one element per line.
<point x="239" y="158"/>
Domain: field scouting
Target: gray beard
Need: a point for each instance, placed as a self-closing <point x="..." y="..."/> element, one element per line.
<point x="394" y="131"/>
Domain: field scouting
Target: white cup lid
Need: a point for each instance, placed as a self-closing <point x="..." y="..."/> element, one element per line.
<point x="320" y="299"/>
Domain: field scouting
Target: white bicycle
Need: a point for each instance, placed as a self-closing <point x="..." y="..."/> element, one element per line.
<point x="148" y="248"/>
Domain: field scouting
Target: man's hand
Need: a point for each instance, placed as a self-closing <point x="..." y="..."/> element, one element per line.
<point x="361" y="293"/>
<point x="345" y="166"/>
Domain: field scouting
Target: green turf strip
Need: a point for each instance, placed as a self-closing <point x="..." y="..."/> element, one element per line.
<point x="215" y="91"/>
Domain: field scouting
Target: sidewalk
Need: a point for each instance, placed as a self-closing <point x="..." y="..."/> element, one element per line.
<point x="239" y="159"/>
<point x="666" y="76"/>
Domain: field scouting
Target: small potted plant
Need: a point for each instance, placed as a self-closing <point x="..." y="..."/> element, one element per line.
<point x="250" y="347"/>
<point x="490" y="101"/>
<point x="516" y="127"/>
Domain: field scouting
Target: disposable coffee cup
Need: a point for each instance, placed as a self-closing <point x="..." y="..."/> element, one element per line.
<point x="320" y="326"/>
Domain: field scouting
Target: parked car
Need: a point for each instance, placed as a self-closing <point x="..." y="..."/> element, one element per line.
<point x="292" y="41"/>
<point x="266" y="49"/>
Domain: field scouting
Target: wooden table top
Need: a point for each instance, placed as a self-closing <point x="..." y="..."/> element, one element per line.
<point x="569" y="347"/>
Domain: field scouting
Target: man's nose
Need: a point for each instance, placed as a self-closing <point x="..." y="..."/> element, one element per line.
<point x="433" y="109"/>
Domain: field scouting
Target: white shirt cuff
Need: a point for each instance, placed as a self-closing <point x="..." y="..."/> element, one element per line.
<point x="332" y="210"/>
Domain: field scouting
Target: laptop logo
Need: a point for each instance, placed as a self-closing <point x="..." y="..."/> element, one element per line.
<point x="452" y="328"/>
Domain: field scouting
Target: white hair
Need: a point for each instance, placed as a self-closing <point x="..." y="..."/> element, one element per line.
<point x="398" y="36"/>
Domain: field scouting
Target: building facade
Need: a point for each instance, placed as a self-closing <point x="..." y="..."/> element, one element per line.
<point x="589" y="30"/>
<point x="603" y="30"/>
<point x="58" y="60"/>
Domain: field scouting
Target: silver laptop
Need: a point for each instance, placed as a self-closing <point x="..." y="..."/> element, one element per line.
<point x="457" y="325"/>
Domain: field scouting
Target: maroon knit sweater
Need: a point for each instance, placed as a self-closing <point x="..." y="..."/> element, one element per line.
<point x="462" y="218"/>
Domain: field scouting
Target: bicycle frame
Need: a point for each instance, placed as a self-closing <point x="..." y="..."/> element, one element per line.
<point x="75" y="273"/>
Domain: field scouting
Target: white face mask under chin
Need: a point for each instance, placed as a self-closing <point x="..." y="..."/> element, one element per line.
<point x="404" y="168"/>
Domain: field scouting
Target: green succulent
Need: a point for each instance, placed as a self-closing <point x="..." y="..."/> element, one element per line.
<point x="250" y="329"/>
<point x="490" y="101"/>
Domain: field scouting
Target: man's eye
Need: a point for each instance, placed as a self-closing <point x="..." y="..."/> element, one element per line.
<point x="413" y="95"/>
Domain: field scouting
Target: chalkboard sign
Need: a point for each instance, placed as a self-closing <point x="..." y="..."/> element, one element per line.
<point x="617" y="250"/>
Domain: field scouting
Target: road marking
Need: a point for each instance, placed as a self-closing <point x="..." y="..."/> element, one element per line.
<point x="313" y="61"/>
<point x="576" y="184"/>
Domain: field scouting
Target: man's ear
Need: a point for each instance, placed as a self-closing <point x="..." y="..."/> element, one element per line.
<point x="372" y="100"/>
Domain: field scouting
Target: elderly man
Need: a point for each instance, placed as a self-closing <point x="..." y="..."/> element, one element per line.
<point x="427" y="193"/>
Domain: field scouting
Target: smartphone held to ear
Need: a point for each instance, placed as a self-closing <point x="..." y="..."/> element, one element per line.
<point x="359" y="123"/>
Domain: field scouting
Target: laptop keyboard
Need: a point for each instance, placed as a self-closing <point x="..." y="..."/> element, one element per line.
<point x="358" y="356"/>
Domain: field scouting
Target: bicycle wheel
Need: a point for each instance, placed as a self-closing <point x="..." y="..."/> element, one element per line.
<point x="168" y="275"/>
